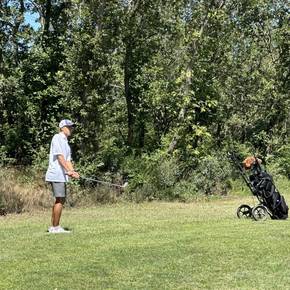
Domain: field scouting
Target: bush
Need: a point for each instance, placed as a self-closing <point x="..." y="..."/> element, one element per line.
<point x="212" y="176"/>
<point x="161" y="177"/>
<point x="281" y="161"/>
<point x="151" y="177"/>
<point x="186" y="191"/>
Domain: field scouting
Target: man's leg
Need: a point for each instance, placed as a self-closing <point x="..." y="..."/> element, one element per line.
<point x="56" y="210"/>
<point x="52" y="215"/>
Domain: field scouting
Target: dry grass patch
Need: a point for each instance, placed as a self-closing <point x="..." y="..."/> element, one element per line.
<point x="20" y="192"/>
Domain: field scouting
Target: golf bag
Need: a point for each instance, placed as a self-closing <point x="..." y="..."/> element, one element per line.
<point x="262" y="186"/>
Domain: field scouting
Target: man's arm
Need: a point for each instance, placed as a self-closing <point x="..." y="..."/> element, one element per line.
<point x="68" y="166"/>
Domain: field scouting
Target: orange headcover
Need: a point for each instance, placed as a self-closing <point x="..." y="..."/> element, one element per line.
<point x="250" y="161"/>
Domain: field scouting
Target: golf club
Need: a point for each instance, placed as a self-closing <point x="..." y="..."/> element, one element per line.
<point x="104" y="182"/>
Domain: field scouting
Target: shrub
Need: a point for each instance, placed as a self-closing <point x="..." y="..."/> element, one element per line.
<point x="161" y="177"/>
<point x="281" y="160"/>
<point x="212" y="175"/>
<point x="186" y="191"/>
<point x="151" y="177"/>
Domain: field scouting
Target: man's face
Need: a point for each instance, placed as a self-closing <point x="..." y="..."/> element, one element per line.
<point x="67" y="130"/>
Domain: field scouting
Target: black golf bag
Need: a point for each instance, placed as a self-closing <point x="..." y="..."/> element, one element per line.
<point x="262" y="186"/>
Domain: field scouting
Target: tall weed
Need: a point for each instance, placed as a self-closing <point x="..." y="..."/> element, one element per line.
<point x="18" y="192"/>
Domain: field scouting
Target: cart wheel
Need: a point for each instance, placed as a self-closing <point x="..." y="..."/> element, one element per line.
<point x="244" y="211"/>
<point x="259" y="213"/>
<point x="3" y="211"/>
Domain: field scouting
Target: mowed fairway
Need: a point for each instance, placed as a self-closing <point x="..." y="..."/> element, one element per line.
<point x="146" y="246"/>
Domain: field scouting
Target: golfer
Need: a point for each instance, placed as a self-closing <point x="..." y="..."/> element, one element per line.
<point x="59" y="170"/>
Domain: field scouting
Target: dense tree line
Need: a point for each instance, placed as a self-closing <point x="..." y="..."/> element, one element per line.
<point x="149" y="83"/>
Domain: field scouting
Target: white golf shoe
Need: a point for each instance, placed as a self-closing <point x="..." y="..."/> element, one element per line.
<point x="58" y="230"/>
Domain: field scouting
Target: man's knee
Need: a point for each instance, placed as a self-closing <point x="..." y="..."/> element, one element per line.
<point x="60" y="200"/>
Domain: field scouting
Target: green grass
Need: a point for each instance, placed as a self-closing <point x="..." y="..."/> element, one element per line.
<point x="146" y="246"/>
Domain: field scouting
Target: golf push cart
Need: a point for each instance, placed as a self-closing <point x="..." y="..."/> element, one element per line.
<point x="261" y="184"/>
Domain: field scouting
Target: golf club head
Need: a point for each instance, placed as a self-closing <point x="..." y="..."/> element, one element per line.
<point x="125" y="184"/>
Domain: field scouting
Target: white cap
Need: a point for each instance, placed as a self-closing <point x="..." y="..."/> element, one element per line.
<point x="65" y="123"/>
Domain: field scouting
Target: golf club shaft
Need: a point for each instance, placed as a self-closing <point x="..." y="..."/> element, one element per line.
<point x="102" y="182"/>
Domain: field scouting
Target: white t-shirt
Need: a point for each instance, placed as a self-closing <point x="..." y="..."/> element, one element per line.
<point x="59" y="145"/>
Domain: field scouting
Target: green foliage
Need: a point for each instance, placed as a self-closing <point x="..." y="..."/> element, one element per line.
<point x="187" y="191"/>
<point x="282" y="160"/>
<point x="154" y="87"/>
<point x="159" y="177"/>
<point x="152" y="177"/>
<point x="212" y="175"/>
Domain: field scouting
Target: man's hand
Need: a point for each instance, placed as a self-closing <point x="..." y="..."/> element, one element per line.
<point x="73" y="174"/>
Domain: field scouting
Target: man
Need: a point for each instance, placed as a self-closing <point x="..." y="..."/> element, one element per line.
<point x="59" y="170"/>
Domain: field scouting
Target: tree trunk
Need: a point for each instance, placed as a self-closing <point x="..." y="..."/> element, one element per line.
<point x="19" y="20"/>
<point x="45" y="17"/>
<point x="141" y="131"/>
<point x="128" y="95"/>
